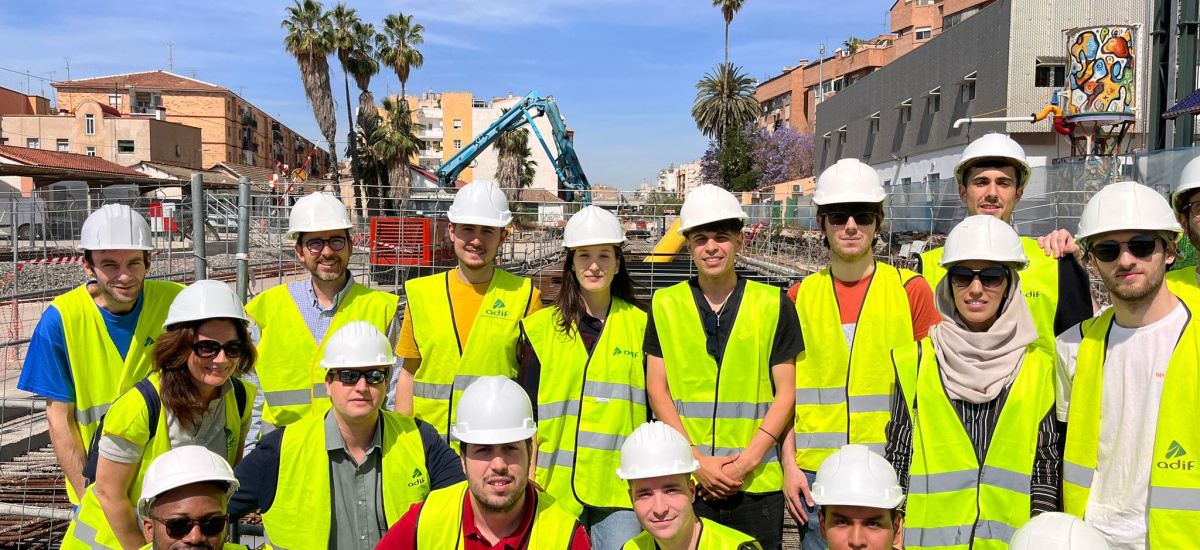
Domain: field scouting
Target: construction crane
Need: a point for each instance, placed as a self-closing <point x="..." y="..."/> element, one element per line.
<point x="573" y="183"/>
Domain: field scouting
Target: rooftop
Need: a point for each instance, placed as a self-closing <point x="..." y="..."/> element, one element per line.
<point x="66" y="161"/>
<point x="161" y="80"/>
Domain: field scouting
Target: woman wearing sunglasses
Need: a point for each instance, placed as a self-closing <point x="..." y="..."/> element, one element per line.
<point x="193" y="396"/>
<point x="582" y="365"/>
<point x="973" y="431"/>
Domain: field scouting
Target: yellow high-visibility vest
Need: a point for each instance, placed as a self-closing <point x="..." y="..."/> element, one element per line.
<point x="723" y="406"/>
<point x="587" y="405"/>
<point x="1174" y="505"/>
<point x="289" y="359"/>
<point x="713" y="536"/>
<point x="440" y="521"/>
<point x="1183" y="283"/>
<point x="844" y="395"/>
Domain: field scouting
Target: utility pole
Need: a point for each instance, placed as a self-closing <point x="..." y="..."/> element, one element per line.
<point x="68" y="60"/>
<point x="170" y="57"/>
<point x="821" y="76"/>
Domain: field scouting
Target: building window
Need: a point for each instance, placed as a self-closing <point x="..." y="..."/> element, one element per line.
<point x="905" y="181"/>
<point x="458" y="144"/>
<point x="905" y="114"/>
<point x="841" y="138"/>
<point x="968" y="91"/>
<point x="91" y="151"/>
<point x="89" y="124"/>
<point x="935" y="177"/>
<point x="924" y="33"/>
<point x="114" y="100"/>
<point x="925" y="2"/>
<point x="874" y="126"/>
<point x="933" y="104"/>
<point x="1049" y="76"/>
<point x="177" y="152"/>
<point x="125" y="146"/>
<point x="458" y="124"/>
<point x="64" y="145"/>
<point x="33" y="143"/>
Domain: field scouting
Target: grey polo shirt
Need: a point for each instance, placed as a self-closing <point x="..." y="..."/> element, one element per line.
<point x="358" y="514"/>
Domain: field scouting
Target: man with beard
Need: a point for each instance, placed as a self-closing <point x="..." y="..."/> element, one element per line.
<point x="860" y="309"/>
<point x="1185" y="198"/>
<point x="183" y="500"/>
<point x="1128" y="381"/>
<point x="95" y="342"/>
<point x="464" y="323"/>
<point x="293" y="321"/>
<point x="496" y="507"/>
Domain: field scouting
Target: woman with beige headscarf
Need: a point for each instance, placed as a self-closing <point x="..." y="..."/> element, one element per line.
<point x="973" y="433"/>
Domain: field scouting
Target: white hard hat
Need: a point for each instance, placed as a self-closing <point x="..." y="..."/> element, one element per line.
<point x="205" y="299"/>
<point x="317" y="212"/>
<point x="184" y="466"/>
<point x="857" y="476"/>
<point x="115" y="227"/>
<point x="593" y="225"/>
<point x="984" y="237"/>
<point x="655" y="449"/>
<point x="1127" y="206"/>
<point x="358" y="344"/>
<point x="1189" y="179"/>
<point x="480" y="203"/>
<point x="848" y="181"/>
<point x="706" y="204"/>
<point x="493" y="410"/>
<point x="993" y="147"/>
<point x="1057" y="531"/>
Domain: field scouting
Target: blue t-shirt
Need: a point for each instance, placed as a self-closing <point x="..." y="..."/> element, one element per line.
<point x="47" y="369"/>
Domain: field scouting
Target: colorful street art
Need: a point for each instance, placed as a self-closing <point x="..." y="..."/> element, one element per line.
<point x="1101" y="73"/>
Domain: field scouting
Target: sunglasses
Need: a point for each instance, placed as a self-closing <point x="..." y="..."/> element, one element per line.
<point x="1141" y="247"/>
<point x="207" y="349"/>
<point x="335" y="244"/>
<point x="841" y="218"/>
<point x="991" y="277"/>
<point x="178" y="528"/>
<point x="350" y="377"/>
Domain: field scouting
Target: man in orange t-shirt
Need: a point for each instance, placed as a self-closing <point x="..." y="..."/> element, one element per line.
<point x="855" y="312"/>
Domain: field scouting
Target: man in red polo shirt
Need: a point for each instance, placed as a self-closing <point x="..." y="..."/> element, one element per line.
<point x="496" y="508"/>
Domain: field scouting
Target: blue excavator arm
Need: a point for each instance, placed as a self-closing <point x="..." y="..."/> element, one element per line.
<point x="574" y="184"/>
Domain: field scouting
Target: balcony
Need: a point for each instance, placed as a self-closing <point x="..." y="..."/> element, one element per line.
<point x="429" y="114"/>
<point x="436" y="133"/>
<point x="430" y="154"/>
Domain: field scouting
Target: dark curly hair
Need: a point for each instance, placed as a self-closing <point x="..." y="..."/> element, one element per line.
<point x="178" y="390"/>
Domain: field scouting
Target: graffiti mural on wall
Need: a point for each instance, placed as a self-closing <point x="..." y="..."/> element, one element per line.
<point x="1101" y="71"/>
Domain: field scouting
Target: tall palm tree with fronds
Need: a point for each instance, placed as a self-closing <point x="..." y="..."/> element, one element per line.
<point x="394" y="142"/>
<point x="397" y="46"/>
<point x="729" y="8"/>
<point x="363" y="66"/>
<point x="368" y="165"/>
<point x="724" y="100"/>
<point x="344" y="41"/>
<point x="308" y="33"/>
<point x="514" y="167"/>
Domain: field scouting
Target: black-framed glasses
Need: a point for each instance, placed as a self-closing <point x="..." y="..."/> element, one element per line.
<point x="350" y="377"/>
<point x="1141" y="247"/>
<point x="841" y="218"/>
<point x="991" y="277"/>
<point x="335" y="244"/>
<point x="178" y="528"/>
<point x="207" y="349"/>
<point x="1192" y="209"/>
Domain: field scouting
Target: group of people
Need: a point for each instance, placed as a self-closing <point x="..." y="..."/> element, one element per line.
<point x="965" y="404"/>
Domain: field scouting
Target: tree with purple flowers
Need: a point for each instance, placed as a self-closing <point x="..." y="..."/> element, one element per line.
<point x="755" y="157"/>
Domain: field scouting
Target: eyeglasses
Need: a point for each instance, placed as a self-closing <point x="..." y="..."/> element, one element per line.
<point x="1141" y="246"/>
<point x="1192" y="209"/>
<point x="335" y="244"/>
<point x="991" y="277"/>
<point x="207" y="349"/>
<point x="841" y="218"/>
<point x="350" y="377"/>
<point x="178" y="528"/>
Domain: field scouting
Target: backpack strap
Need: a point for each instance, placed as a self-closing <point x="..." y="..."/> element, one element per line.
<point x="239" y="393"/>
<point x="153" y="409"/>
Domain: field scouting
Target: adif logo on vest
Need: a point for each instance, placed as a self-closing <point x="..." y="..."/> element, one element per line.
<point x="1033" y="294"/>
<point x="149" y="342"/>
<point x="497" y="309"/>
<point x="618" y="351"/>
<point x="418" y="478"/>
<point x="1174" y="451"/>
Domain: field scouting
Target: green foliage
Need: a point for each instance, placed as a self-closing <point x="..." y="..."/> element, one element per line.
<point x="724" y="102"/>
<point x="1189" y="255"/>
<point x="737" y="166"/>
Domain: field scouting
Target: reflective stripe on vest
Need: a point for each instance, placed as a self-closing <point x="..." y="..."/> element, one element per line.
<point x="98" y="373"/>
<point x="288" y="366"/>
<point x="842" y="395"/>
<point x="723" y="407"/>
<point x="449" y="366"/>
<point x="587" y="405"/>
<point x="953" y="501"/>
<point x="1174" y="504"/>
<point x="127" y="420"/>
<point x="305" y="486"/>
<point x="440" y="521"/>
<point x="1039" y="281"/>
<point x="1183" y="283"/>
<point x="713" y="536"/>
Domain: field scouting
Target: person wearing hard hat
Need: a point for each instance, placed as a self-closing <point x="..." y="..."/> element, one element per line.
<point x="860" y="309"/>
<point x="1185" y="198"/>
<point x="592" y="393"/>
<point x="496" y="507"/>
<point x="340" y="479"/>
<point x="1128" y="380"/>
<point x="860" y="499"/>
<point x="992" y="175"/>
<point x="1057" y="531"/>
<point x="293" y="322"/>
<point x="94" y="343"/>
<point x="193" y="396"/>
<point x="749" y="333"/>
<point x="657" y="462"/>
<point x="463" y="324"/>
<point x="183" y="500"/>
<point x="973" y="433"/>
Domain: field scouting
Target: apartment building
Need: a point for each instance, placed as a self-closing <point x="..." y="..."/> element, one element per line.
<point x="13" y="102"/>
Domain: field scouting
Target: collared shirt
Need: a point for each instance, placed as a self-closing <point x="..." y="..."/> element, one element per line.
<point x="358" y="514"/>
<point x="316" y="317"/>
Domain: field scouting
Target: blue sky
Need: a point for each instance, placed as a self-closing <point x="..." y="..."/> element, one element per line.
<point x="622" y="71"/>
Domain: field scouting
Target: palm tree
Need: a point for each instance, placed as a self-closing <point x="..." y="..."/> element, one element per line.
<point x="514" y="168"/>
<point x="396" y="46"/>
<point x="394" y="142"/>
<point x="363" y="66"/>
<point x="724" y="100"/>
<point x="852" y="44"/>
<point x="368" y="165"/>
<point x="728" y="9"/>
<point x="308" y="30"/>
<point x="344" y="41"/>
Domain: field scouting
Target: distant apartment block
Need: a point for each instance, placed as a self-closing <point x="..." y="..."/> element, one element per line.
<point x="678" y="180"/>
<point x="13" y="102"/>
